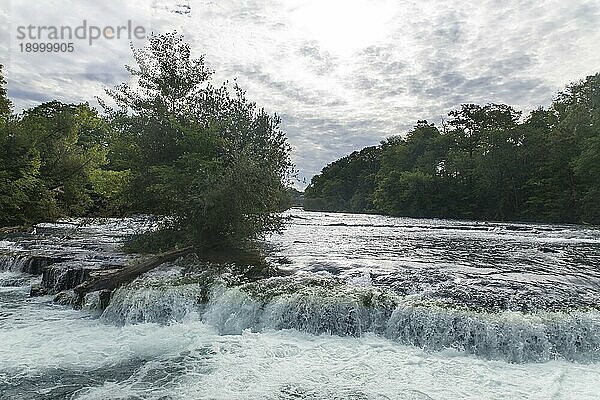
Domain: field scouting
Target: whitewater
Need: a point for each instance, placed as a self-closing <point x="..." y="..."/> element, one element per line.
<point x="354" y="307"/>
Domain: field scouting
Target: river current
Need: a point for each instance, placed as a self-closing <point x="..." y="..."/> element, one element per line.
<point x="360" y="307"/>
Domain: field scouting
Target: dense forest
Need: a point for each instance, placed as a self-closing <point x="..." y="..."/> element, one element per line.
<point x="484" y="162"/>
<point x="208" y="161"/>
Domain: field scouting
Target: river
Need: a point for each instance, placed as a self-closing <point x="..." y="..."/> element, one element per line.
<point x="362" y="307"/>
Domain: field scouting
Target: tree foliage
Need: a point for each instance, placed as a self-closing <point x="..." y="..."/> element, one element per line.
<point x="345" y="184"/>
<point x="5" y="103"/>
<point x="485" y="162"/>
<point x="47" y="156"/>
<point x="204" y="157"/>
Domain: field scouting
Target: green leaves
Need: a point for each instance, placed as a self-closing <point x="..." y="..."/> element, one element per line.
<point x="345" y="184"/>
<point x="587" y="170"/>
<point x="204" y="157"/>
<point x="48" y="154"/>
<point x="485" y="164"/>
<point x="5" y="103"/>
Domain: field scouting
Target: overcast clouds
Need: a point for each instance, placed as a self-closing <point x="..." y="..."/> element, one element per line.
<point x="342" y="74"/>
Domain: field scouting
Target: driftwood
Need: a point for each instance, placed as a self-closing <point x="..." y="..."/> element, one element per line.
<point x="128" y="273"/>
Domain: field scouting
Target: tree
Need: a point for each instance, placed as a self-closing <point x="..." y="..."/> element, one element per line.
<point x="204" y="158"/>
<point x="484" y="164"/>
<point x="346" y="184"/>
<point x="578" y="108"/>
<point x="587" y="168"/>
<point x="5" y="103"/>
<point x="48" y="155"/>
<point x="24" y="199"/>
<point x="71" y="141"/>
<point x="407" y="178"/>
<point x="406" y="193"/>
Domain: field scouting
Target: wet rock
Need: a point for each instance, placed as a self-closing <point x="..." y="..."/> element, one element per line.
<point x="96" y="301"/>
<point x="518" y="228"/>
<point x="16" y="229"/>
<point x="36" y="264"/>
<point x="67" y="298"/>
<point x="59" y="278"/>
<point x="104" y="296"/>
<point x="37" y="290"/>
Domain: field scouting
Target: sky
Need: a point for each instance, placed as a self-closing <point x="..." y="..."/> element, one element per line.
<point x="341" y="74"/>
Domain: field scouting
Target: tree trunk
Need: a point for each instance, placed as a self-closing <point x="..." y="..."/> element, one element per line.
<point x="128" y="273"/>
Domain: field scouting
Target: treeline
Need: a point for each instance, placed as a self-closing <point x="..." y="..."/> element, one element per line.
<point x="485" y="162"/>
<point x="169" y="144"/>
<point x="52" y="164"/>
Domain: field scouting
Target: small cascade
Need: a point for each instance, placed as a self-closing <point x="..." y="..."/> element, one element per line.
<point x="232" y="311"/>
<point x="55" y="279"/>
<point x="512" y="336"/>
<point x="13" y="262"/>
<point x="26" y="263"/>
<point x="13" y="279"/>
<point x="158" y="305"/>
<point x="96" y="302"/>
<point x="159" y="296"/>
<point x="327" y="307"/>
<point x="346" y="314"/>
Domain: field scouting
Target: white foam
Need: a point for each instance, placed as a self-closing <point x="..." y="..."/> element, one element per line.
<point x="288" y="364"/>
<point x="191" y="360"/>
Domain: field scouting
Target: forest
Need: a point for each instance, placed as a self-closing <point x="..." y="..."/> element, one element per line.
<point x="205" y="160"/>
<point x="484" y="162"/>
<point x="217" y="167"/>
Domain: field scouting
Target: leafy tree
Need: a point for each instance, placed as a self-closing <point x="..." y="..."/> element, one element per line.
<point x="346" y="184"/>
<point x="587" y="169"/>
<point x="203" y="157"/>
<point x="484" y="164"/>
<point x="407" y="176"/>
<point x="5" y="103"/>
<point x="48" y="155"/>
<point x="24" y="198"/>
<point x="406" y="193"/>
<point x="71" y="142"/>
<point x="579" y="120"/>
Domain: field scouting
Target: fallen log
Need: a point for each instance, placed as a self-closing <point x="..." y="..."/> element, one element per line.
<point x="128" y="273"/>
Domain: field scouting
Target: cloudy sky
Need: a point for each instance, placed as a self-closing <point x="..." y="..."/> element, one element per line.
<point x="341" y="74"/>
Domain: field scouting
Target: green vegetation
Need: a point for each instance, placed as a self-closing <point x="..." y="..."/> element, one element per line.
<point x="214" y="167"/>
<point x="205" y="160"/>
<point x="295" y="198"/>
<point x="347" y="184"/>
<point x="5" y="104"/>
<point x="486" y="162"/>
<point x="209" y="160"/>
<point x="48" y="157"/>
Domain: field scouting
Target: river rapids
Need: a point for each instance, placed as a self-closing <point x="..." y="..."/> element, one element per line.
<point x="351" y="307"/>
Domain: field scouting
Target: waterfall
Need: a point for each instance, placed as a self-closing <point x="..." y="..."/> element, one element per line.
<point x="14" y="262"/>
<point x="26" y="263"/>
<point x="354" y="311"/>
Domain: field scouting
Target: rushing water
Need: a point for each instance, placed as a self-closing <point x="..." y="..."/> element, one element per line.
<point x="364" y="307"/>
